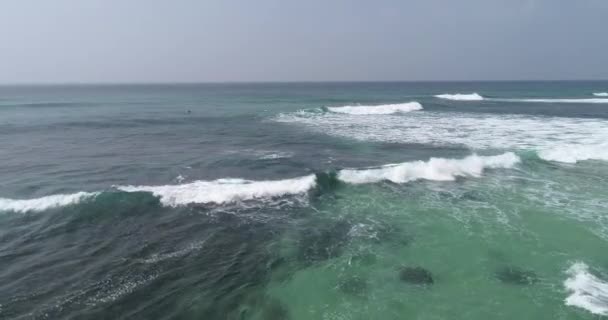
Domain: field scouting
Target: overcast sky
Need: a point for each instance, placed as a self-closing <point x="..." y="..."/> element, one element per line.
<point x="44" y="41"/>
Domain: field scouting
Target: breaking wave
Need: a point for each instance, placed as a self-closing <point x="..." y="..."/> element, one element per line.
<point x="224" y="190"/>
<point x="437" y="169"/>
<point x="379" y="109"/>
<point x="586" y="290"/>
<point x="44" y="203"/>
<point x="601" y="94"/>
<point x="460" y="96"/>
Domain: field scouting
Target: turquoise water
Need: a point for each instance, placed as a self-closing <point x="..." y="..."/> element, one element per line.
<point x="304" y="201"/>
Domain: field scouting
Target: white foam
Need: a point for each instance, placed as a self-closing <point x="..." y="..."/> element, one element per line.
<point x="44" y="203"/>
<point x="575" y="153"/>
<point x="586" y="290"/>
<point x="436" y="169"/>
<point x="601" y="94"/>
<point x="460" y="96"/>
<point x="379" y="109"/>
<point x="225" y="190"/>
<point x="585" y="136"/>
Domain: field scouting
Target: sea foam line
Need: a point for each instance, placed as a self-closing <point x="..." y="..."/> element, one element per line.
<point x="586" y="290"/>
<point x="378" y="109"/>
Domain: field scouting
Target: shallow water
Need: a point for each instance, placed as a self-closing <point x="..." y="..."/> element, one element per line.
<point x="304" y="201"/>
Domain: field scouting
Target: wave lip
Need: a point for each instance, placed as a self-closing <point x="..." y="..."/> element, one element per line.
<point x="586" y="290"/>
<point x="575" y="153"/>
<point x="44" y="203"/>
<point x="379" y="109"/>
<point x="436" y="169"/>
<point x="461" y="96"/>
<point x="601" y="94"/>
<point x="224" y="190"/>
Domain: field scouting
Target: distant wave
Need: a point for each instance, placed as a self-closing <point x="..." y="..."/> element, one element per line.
<point x="44" y="203"/>
<point x="586" y="290"/>
<point x="583" y="100"/>
<point x="437" y="169"/>
<point x="477" y="97"/>
<point x="224" y="190"/>
<point x="460" y="97"/>
<point x="378" y="109"/>
<point x="575" y="153"/>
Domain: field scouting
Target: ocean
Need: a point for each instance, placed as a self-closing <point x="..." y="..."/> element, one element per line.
<point x="333" y="201"/>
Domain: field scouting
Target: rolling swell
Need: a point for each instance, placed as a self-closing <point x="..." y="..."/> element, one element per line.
<point x="230" y="191"/>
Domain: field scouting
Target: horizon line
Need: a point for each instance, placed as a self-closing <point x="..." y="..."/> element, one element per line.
<point x="110" y="83"/>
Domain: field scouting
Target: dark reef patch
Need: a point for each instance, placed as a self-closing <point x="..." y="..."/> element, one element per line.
<point x="354" y="286"/>
<point x="275" y="310"/>
<point x="416" y="275"/>
<point x="515" y="275"/>
<point x="323" y="243"/>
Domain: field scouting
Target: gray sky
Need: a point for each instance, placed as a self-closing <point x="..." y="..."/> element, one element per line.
<point x="45" y="41"/>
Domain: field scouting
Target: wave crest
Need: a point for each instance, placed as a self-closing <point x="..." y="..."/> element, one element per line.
<point x="44" y="203"/>
<point x="460" y="96"/>
<point x="224" y="190"/>
<point x="601" y="94"/>
<point x="436" y="169"/>
<point x="586" y="290"/>
<point x="378" y="109"/>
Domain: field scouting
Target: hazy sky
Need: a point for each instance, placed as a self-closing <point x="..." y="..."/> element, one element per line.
<point x="282" y="40"/>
